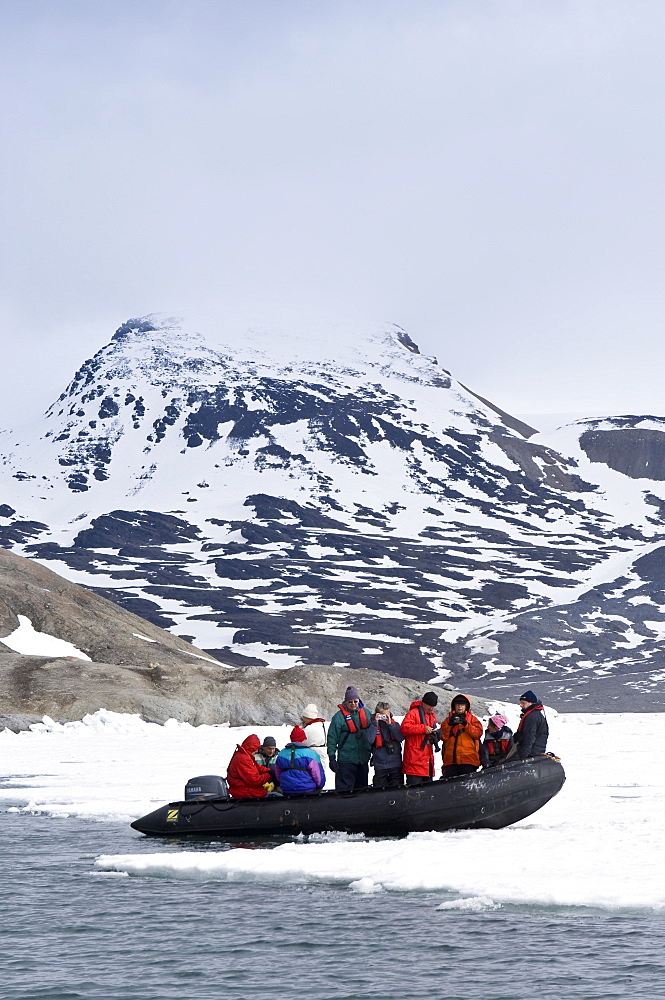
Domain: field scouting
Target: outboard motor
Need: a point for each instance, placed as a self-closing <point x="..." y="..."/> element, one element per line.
<point x="208" y="786"/>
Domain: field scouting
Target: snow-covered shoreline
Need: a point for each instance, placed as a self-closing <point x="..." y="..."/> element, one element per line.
<point x="597" y="844"/>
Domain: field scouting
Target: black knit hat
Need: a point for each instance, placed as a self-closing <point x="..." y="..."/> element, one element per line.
<point x="269" y="741"/>
<point x="430" y="699"/>
<point x="529" y="696"/>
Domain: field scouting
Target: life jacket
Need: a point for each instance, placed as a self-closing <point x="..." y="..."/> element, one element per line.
<point x="456" y="733"/>
<point x="379" y="738"/>
<point x="317" y="734"/>
<point x="534" y="708"/>
<point x="496" y="748"/>
<point x="350" y="722"/>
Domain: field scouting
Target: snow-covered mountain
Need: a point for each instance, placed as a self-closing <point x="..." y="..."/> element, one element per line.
<point x="606" y="637"/>
<point x="352" y="504"/>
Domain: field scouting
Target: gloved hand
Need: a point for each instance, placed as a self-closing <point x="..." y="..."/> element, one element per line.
<point x="269" y="786"/>
<point x="333" y="762"/>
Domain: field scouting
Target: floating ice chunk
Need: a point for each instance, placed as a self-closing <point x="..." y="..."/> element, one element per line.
<point x="365" y="885"/>
<point x="472" y="904"/>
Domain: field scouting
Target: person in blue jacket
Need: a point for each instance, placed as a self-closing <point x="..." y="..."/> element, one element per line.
<point x="298" y="768"/>
<point x="385" y="737"/>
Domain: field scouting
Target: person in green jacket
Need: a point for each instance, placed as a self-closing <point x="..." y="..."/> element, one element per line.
<point x="348" y="749"/>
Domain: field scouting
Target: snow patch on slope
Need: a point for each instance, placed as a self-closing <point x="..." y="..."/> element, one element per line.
<point x="27" y="640"/>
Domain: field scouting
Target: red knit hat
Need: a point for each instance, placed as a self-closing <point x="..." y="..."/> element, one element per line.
<point x="298" y="735"/>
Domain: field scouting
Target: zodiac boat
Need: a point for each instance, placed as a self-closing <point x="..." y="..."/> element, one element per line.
<point x="488" y="799"/>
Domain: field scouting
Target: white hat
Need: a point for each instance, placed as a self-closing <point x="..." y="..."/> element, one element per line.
<point x="310" y="712"/>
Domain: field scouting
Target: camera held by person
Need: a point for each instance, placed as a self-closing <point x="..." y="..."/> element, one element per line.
<point x="432" y="740"/>
<point x="385" y="738"/>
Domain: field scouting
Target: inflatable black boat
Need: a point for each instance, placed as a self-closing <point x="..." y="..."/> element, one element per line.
<point x="491" y="799"/>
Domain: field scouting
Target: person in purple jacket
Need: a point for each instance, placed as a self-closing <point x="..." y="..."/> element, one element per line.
<point x="298" y="768"/>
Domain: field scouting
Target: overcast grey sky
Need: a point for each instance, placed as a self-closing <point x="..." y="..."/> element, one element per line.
<point x="486" y="173"/>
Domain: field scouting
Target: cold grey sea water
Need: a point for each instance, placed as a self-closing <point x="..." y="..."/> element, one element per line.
<point x="71" y="932"/>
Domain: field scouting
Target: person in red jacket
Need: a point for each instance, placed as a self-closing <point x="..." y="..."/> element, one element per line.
<point x="248" y="779"/>
<point x="461" y="733"/>
<point x="418" y="728"/>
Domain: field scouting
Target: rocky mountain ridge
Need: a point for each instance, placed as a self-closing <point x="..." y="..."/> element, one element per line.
<point x="286" y="505"/>
<point x="125" y="664"/>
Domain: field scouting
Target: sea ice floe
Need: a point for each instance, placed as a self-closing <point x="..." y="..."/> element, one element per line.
<point x="366" y="885"/>
<point x="597" y="844"/>
<point x="472" y="904"/>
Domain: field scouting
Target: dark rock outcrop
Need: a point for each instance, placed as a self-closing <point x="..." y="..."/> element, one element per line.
<point x="634" y="451"/>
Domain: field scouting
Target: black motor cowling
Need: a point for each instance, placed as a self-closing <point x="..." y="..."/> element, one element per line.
<point x="208" y="786"/>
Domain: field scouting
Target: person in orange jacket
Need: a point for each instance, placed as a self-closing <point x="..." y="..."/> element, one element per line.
<point x="461" y="732"/>
<point x="419" y="727"/>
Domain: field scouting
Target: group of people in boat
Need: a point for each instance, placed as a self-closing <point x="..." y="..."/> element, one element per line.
<point x="398" y="752"/>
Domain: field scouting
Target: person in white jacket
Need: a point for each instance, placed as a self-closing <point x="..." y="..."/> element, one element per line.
<point x="315" y="728"/>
